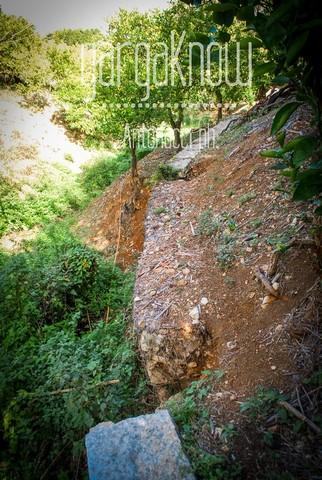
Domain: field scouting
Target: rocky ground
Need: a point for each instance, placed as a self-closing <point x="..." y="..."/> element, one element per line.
<point x="228" y="278"/>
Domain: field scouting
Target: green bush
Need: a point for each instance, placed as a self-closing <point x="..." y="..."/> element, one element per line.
<point x="166" y="172"/>
<point x="64" y="335"/>
<point x="52" y="198"/>
<point x="102" y="172"/>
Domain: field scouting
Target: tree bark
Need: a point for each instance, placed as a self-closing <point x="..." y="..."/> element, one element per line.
<point x="219" y="105"/>
<point x="176" y="126"/>
<point x="134" y="160"/>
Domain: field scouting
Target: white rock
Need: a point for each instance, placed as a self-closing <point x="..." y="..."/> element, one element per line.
<point x="276" y="286"/>
<point x="195" y="315"/>
<point x="232" y="345"/>
<point x="204" y="301"/>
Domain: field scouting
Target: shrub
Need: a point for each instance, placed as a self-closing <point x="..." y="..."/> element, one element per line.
<point x="208" y="223"/>
<point x="63" y="327"/>
<point x="53" y="197"/>
<point x="102" y="172"/>
<point x="166" y="172"/>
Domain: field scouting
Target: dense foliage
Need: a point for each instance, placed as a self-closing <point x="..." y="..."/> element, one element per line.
<point x="21" y="52"/>
<point x="76" y="36"/>
<point x="64" y="334"/>
<point x="68" y="359"/>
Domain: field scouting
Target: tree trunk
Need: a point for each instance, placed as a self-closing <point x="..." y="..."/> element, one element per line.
<point x="177" y="138"/>
<point x="176" y="126"/>
<point x="134" y="160"/>
<point x="219" y="105"/>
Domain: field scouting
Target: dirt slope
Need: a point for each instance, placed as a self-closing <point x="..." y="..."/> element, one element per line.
<point x="112" y="223"/>
<point x="180" y="267"/>
<point x="31" y="143"/>
<point x="209" y="247"/>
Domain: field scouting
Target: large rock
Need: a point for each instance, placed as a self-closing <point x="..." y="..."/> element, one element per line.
<point x="140" y="448"/>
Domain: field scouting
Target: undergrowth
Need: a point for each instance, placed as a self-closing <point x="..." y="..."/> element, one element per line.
<point x="189" y="409"/>
<point x="58" y="194"/>
<point x="65" y="337"/>
<point x="222" y="228"/>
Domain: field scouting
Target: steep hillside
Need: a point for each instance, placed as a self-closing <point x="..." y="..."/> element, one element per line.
<point x="228" y="296"/>
<point x="30" y="142"/>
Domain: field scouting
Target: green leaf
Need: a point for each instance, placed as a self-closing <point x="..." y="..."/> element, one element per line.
<point x="296" y="48"/>
<point x="282" y="115"/>
<point x="272" y="153"/>
<point x="318" y="210"/>
<point x="303" y="147"/>
<point x="288" y="172"/>
<point x="224" y="18"/>
<point x="280" y="80"/>
<point x="223" y="13"/>
<point x="309" y="184"/>
<point x="273" y="36"/>
<point x="280" y="137"/>
<point x="268" y="67"/>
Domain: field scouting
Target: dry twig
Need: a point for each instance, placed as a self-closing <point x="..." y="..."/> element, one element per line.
<point x="300" y="416"/>
<point x="265" y="281"/>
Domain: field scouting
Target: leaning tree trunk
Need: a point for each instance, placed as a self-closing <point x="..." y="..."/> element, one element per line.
<point x="177" y="138"/>
<point x="134" y="160"/>
<point x="136" y="184"/>
<point x="176" y="126"/>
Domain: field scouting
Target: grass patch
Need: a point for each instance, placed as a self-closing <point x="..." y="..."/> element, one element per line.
<point x="165" y="172"/>
<point x="160" y="210"/>
<point x="246" y="198"/>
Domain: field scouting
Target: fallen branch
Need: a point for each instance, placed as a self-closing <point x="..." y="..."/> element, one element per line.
<point x="300" y="416"/>
<point x="163" y="312"/>
<point x="273" y="264"/>
<point x="262" y="277"/>
<point x="61" y="391"/>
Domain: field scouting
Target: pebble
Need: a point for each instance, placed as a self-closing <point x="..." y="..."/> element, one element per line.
<point x="195" y="315"/>
<point x="273" y="367"/>
<point x="276" y="286"/>
<point x="204" y="301"/>
<point x="231" y="345"/>
<point x="268" y="299"/>
<point x="186" y="271"/>
<point x="192" y="365"/>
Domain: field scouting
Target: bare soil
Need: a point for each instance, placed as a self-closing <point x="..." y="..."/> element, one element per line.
<point x="250" y="340"/>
